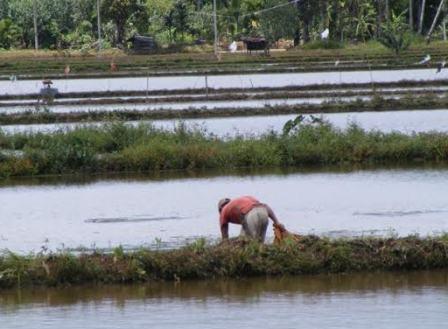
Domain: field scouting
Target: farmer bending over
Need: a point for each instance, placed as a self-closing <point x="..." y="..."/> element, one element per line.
<point x="248" y="212"/>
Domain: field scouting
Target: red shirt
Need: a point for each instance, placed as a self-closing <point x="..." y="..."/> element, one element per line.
<point x="236" y="209"/>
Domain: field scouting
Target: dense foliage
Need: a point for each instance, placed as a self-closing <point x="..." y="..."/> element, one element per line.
<point x="73" y="23"/>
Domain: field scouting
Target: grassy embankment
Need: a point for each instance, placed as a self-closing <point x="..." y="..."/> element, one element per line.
<point x="120" y="148"/>
<point x="428" y="101"/>
<point x="333" y="95"/>
<point x="200" y="260"/>
<point x="28" y="64"/>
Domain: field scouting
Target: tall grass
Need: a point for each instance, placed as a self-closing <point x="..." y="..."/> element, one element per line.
<point x="202" y="260"/>
<point x="119" y="147"/>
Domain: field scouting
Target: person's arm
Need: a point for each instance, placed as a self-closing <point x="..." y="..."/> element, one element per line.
<point x="225" y="231"/>
<point x="273" y="216"/>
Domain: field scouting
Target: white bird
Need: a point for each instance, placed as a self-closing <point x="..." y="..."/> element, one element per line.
<point x="425" y="60"/>
<point x="324" y="35"/>
<point x="13" y="78"/>
<point x="336" y="64"/>
<point x="233" y="47"/>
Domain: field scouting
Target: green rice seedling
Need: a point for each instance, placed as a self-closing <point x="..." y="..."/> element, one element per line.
<point x="14" y="269"/>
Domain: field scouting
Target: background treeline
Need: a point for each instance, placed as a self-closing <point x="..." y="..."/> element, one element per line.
<point x="63" y="24"/>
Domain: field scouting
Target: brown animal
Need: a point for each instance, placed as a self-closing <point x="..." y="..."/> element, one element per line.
<point x="256" y="44"/>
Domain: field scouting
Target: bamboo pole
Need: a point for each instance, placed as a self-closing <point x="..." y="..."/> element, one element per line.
<point x="36" y="38"/>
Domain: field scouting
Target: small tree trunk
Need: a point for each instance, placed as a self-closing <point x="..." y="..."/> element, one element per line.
<point x="444" y="22"/>
<point x="379" y="19"/>
<point x="422" y="14"/>
<point x="444" y="29"/>
<point x="333" y="21"/>
<point x="439" y="10"/>
<point x="120" y="32"/>
<point x="387" y="11"/>
<point x="36" y="34"/>
<point x="411" y="14"/>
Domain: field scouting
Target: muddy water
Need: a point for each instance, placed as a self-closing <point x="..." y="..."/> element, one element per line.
<point x="166" y="213"/>
<point x="401" y="121"/>
<point x="379" y="300"/>
<point x="221" y="81"/>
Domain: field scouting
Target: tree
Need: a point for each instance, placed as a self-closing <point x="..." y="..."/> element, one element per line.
<point x="119" y="11"/>
<point x="201" y="23"/>
<point x="9" y="33"/>
<point x="54" y="18"/>
<point x="180" y="18"/>
<point x="280" y="22"/>
<point x="396" y="34"/>
<point x="364" y="20"/>
<point x="306" y="15"/>
<point x="4" y="8"/>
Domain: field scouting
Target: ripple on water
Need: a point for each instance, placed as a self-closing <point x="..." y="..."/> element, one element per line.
<point x="131" y="219"/>
<point x="399" y="213"/>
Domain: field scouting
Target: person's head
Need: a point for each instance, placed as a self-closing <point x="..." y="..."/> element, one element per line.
<point x="222" y="203"/>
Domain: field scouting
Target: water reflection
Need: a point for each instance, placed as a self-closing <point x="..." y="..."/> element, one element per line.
<point x="386" y="300"/>
<point x="241" y="289"/>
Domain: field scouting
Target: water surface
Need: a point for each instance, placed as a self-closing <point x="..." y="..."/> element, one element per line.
<point x="382" y="300"/>
<point x="222" y="81"/>
<point x="167" y="212"/>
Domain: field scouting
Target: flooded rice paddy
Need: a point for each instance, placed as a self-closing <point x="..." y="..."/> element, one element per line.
<point x="382" y="300"/>
<point x="388" y="121"/>
<point x="74" y="213"/>
<point x="222" y="81"/>
<point x="167" y="212"/>
<point x="181" y="106"/>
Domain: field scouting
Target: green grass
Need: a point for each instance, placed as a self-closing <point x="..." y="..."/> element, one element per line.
<point x="121" y="148"/>
<point x="236" y="259"/>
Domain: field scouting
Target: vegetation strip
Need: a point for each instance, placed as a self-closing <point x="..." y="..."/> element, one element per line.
<point x="305" y="60"/>
<point x="236" y="259"/>
<point x="146" y="72"/>
<point x="328" y="87"/>
<point x="334" y="95"/>
<point x="376" y="103"/>
<point x="118" y="147"/>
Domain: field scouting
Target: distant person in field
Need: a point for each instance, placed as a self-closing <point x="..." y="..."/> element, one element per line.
<point x="248" y="212"/>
